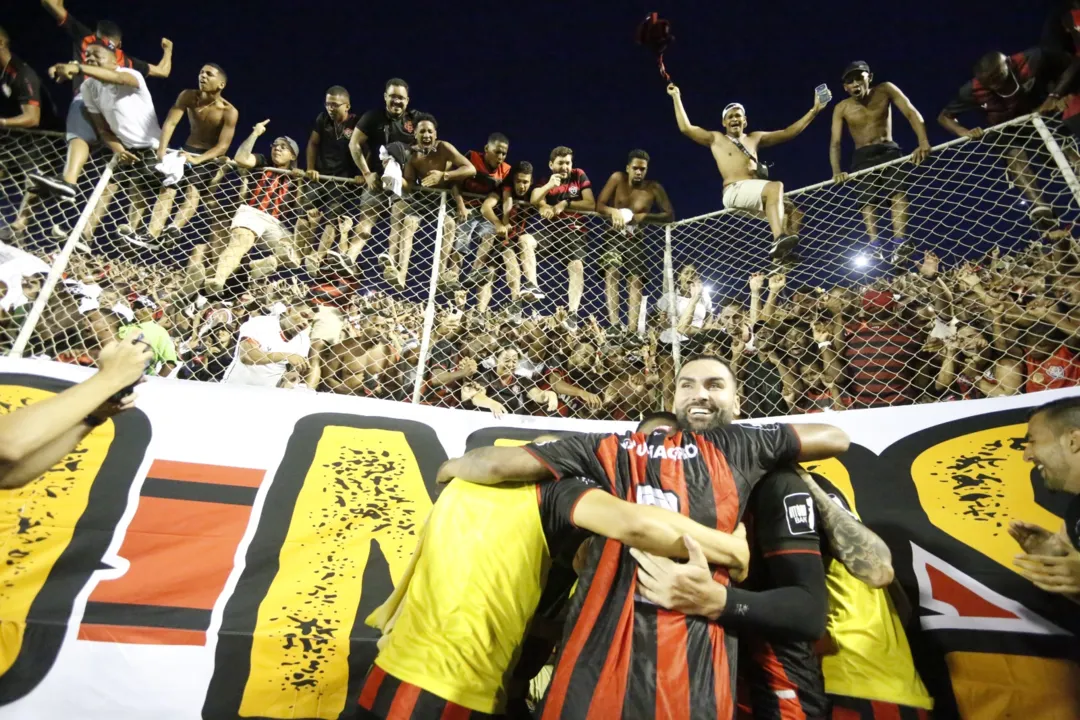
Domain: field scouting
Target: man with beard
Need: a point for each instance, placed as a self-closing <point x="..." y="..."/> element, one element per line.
<point x="435" y="164"/>
<point x="1052" y="560"/>
<point x="213" y="123"/>
<point x="487" y="560"/>
<point x="376" y="129"/>
<point x="622" y="655"/>
<point x="868" y="115"/>
<point x="746" y="183"/>
<point x="628" y="199"/>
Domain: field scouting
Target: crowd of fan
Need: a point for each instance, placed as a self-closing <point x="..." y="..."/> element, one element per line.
<point x="300" y="315"/>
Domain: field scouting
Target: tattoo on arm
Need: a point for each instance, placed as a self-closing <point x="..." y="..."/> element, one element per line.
<point x="863" y="553"/>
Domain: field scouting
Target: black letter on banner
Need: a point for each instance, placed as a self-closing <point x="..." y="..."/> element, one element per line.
<point x="347" y="486"/>
<point x="87" y="491"/>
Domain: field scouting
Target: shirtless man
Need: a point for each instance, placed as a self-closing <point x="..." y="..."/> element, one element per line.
<point x="213" y="123"/>
<point x="746" y="186"/>
<point x="438" y="165"/>
<point x="628" y="199"/>
<point x="868" y="115"/>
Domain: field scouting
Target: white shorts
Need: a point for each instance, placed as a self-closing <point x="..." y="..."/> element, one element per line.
<point x="266" y="228"/>
<point x="328" y="326"/>
<point x="746" y="195"/>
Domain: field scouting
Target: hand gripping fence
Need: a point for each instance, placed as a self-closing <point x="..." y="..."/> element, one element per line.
<point x="958" y="278"/>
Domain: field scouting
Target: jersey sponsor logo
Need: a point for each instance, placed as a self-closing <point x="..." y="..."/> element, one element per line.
<point x="659" y="451"/>
<point x="799" y="509"/>
<point x="657" y="497"/>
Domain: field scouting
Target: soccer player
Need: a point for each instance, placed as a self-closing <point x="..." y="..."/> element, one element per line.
<point x="628" y="200"/>
<point x="625" y="658"/>
<point x="1052" y="560"/>
<point x="746" y="183"/>
<point x="434" y="164"/>
<point x="212" y="119"/>
<point x="491" y="172"/>
<point x="453" y="627"/>
<point x="868" y="115"/>
<point x="568" y="189"/>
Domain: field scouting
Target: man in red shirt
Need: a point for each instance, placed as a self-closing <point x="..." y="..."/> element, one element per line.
<point x="1050" y="365"/>
<point x="491" y="172"/>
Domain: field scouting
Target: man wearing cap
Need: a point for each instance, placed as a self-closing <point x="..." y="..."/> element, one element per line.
<point x="868" y="115"/>
<point x="261" y="219"/>
<point x="746" y="183"/>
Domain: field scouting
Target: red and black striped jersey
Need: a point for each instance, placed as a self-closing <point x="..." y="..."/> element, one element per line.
<point x="621" y="656"/>
<point x="271" y="191"/>
<point x="880" y="358"/>
<point x="486" y="180"/>
<point x="783" y="679"/>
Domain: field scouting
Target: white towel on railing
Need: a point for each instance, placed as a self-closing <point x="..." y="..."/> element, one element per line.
<point x="171" y="167"/>
<point x="392" y="180"/>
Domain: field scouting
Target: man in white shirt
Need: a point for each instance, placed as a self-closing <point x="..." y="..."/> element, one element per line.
<point x="269" y="345"/>
<point x="122" y="112"/>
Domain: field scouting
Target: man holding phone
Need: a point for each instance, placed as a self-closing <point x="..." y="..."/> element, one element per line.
<point x="868" y="115"/>
<point x="747" y="185"/>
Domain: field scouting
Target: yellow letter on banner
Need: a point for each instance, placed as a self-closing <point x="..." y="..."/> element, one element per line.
<point x="973" y="485"/>
<point x="363" y="485"/>
<point x="37" y="522"/>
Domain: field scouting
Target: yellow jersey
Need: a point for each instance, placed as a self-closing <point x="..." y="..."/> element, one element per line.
<point x="874" y="660"/>
<point x="456" y="629"/>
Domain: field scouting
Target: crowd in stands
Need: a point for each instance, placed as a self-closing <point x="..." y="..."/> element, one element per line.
<point x="260" y="276"/>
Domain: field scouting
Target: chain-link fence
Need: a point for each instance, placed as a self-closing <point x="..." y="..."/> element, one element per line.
<point x="957" y="278"/>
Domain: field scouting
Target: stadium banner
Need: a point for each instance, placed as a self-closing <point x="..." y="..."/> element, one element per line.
<point x="213" y="553"/>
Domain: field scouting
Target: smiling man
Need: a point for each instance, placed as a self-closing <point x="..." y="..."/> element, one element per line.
<point x="1052" y="560"/>
<point x="622" y="656"/>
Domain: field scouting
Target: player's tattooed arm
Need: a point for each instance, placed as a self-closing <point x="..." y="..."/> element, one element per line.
<point x="860" y="549"/>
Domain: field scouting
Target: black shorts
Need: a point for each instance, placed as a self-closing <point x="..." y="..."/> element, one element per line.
<point x="877" y="188"/>
<point x="848" y="708"/>
<point x="383" y="697"/>
<point x="625" y="251"/>
<point x="563" y="242"/>
<point x="201" y="175"/>
<point x="140" y="176"/>
<point x="332" y="199"/>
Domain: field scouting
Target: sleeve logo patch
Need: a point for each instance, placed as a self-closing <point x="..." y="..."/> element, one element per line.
<point x="799" y="508"/>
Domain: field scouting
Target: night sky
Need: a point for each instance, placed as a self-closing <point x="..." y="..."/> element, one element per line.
<point x="558" y="73"/>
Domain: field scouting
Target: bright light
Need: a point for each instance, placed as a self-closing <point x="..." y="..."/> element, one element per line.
<point x="1023" y="203"/>
<point x="861" y="260"/>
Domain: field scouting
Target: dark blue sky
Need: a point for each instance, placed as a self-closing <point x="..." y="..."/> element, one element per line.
<point x="558" y="73"/>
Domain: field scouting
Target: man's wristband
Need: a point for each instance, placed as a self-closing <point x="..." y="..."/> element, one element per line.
<point x="94" y="421"/>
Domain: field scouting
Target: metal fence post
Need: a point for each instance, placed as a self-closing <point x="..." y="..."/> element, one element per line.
<point x="1059" y="157"/>
<point x="60" y="264"/>
<point x="429" y="311"/>
<point x="673" y="297"/>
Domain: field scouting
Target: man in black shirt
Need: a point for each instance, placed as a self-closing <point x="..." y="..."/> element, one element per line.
<point x="378" y="128"/>
<point x="1052" y="560"/>
<point x="23" y="102"/>
<point x="328" y="155"/>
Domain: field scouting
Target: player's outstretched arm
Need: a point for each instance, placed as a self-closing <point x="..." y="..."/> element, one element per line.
<point x="860" y="549"/>
<point x="819" y="442"/>
<point x="656" y="530"/>
<point x="494" y="465"/>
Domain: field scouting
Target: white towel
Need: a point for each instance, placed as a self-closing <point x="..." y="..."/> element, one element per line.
<point x="171" y="167"/>
<point x="392" y="180"/>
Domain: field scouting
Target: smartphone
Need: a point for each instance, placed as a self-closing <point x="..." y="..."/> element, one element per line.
<point x="823" y="94"/>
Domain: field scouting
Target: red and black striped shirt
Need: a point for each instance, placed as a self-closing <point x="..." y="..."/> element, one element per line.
<point x="486" y="180"/>
<point x="272" y="189"/>
<point x="880" y="361"/>
<point x="624" y="657"/>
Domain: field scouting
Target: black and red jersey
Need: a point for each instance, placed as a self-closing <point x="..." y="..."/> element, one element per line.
<point x="486" y="180"/>
<point x="82" y="37"/>
<point x="624" y="657"/>
<point x="21" y="86"/>
<point x="271" y="192"/>
<point x="1033" y="70"/>
<point x="880" y="358"/>
<point x="783" y="679"/>
<point x="570" y="190"/>
<point x="520" y="209"/>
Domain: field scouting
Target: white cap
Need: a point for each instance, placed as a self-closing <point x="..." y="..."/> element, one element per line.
<point x="732" y="106"/>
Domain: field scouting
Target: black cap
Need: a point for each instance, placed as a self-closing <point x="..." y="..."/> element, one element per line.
<point x="857" y="66"/>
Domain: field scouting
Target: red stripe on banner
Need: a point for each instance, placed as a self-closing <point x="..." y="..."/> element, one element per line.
<point x="141" y="635"/>
<point x="212" y="474"/>
<point x="181" y="553"/>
